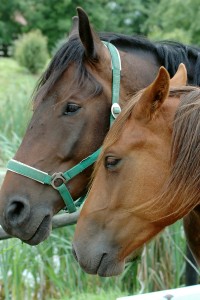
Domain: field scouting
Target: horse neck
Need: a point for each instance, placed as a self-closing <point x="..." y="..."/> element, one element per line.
<point x="139" y="69"/>
<point x="150" y="56"/>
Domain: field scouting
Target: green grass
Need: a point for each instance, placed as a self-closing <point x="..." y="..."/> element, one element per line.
<point x="49" y="271"/>
<point x="16" y="87"/>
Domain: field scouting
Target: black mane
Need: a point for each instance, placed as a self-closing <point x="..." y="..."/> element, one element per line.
<point x="169" y="54"/>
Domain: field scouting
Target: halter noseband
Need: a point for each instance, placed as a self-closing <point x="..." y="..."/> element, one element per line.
<point x="58" y="180"/>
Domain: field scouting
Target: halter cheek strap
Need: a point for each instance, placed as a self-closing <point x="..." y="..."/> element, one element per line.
<point x="59" y="180"/>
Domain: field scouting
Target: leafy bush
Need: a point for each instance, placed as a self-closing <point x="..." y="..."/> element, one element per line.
<point x="31" y="51"/>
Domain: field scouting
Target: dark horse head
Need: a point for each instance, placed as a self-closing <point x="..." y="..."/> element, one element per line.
<point x="70" y="119"/>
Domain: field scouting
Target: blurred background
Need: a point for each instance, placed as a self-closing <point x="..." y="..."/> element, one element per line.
<point x="31" y="31"/>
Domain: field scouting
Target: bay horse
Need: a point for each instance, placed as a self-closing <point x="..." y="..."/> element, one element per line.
<point x="71" y="112"/>
<point x="147" y="176"/>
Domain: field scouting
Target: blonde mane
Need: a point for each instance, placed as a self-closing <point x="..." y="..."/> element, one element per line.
<point x="182" y="189"/>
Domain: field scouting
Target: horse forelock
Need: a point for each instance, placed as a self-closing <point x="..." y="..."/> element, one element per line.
<point x="71" y="52"/>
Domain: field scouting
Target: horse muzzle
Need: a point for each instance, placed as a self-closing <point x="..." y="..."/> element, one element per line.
<point x="97" y="257"/>
<point x="30" y="224"/>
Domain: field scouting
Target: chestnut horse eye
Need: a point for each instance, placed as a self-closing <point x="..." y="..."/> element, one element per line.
<point x="71" y="109"/>
<point x="111" y="162"/>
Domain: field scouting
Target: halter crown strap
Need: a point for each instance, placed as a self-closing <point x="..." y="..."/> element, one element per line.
<point x="116" y="72"/>
<point x="58" y="180"/>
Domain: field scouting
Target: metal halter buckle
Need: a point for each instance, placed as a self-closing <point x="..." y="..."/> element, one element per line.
<point x="115" y="110"/>
<point x="57" y="180"/>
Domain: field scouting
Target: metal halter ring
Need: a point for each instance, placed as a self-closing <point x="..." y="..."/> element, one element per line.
<point x="115" y="110"/>
<point x="57" y="180"/>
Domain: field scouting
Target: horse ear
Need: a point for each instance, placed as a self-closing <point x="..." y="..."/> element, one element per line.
<point x="74" y="29"/>
<point x="153" y="96"/>
<point x="89" y="38"/>
<point x="180" y="78"/>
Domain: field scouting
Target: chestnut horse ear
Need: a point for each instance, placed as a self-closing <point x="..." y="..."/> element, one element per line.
<point x="180" y="78"/>
<point x="153" y="96"/>
<point x="89" y="38"/>
<point x="74" y="29"/>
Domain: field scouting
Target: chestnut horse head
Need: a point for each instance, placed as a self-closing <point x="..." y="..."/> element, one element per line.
<point x="71" y="112"/>
<point x="123" y="210"/>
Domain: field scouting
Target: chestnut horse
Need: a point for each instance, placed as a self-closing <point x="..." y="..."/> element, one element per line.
<point x="135" y="191"/>
<point x="71" y="111"/>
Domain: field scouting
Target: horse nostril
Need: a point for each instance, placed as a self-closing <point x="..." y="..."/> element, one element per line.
<point x="17" y="212"/>
<point x="16" y="208"/>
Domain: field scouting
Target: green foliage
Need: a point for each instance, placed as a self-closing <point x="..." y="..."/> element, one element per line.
<point x="176" y="35"/>
<point x="16" y="86"/>
<point x="31" y="51"/>
<point x="49" y="271"/>
<point x="174" y="19"/>
<point x="53" y="17"/>
<point x="157" y="19"/>
<point x="9" y="28"/>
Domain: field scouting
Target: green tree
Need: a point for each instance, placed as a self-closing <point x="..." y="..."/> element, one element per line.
<point x="175" y="20"/>
<point x="31" y="51"/>
<point x="124" y="16"/>
<point x="9" y="26"/>
<point x="51" y="17"/>
<point x="157" y="19"/>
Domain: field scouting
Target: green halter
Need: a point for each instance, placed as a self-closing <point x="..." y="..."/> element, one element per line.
<point x="58" y="180"/>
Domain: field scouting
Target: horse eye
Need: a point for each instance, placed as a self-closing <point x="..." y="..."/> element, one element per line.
<point x="111" y="162"/>
<point x="71" y="109"/>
